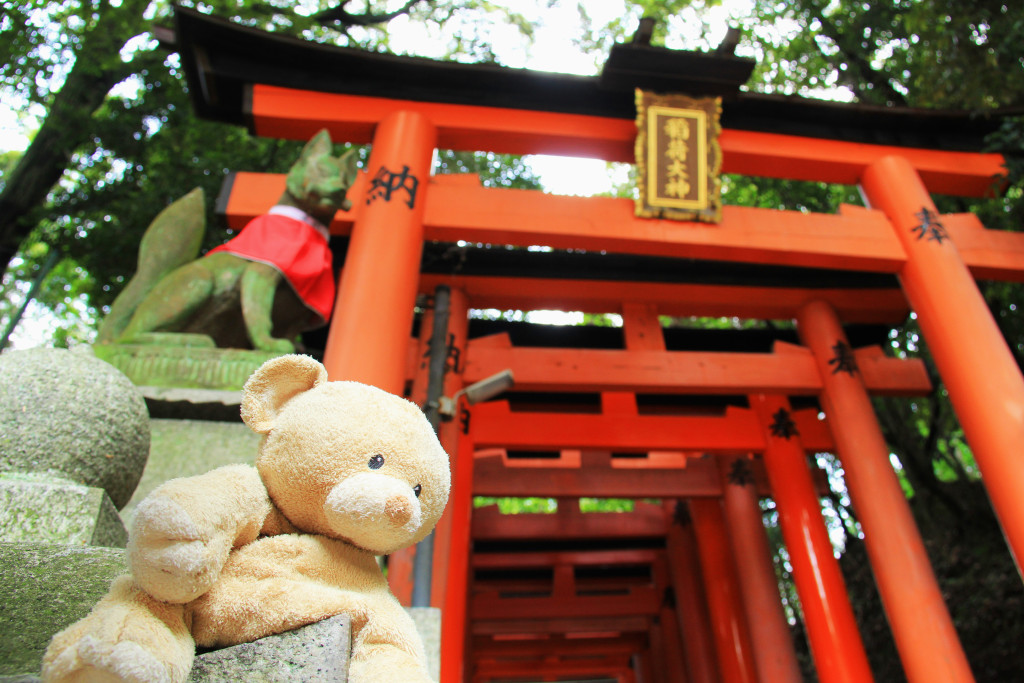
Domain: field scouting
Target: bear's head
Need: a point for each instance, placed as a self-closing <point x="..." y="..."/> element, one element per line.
<point x="344" y="459"/>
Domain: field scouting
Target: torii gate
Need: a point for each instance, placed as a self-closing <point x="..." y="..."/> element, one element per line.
<point x="705" y="605"/>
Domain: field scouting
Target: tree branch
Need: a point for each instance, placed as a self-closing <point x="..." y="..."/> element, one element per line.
<point x="879" y="80"/>
<point x="339" y="15"/>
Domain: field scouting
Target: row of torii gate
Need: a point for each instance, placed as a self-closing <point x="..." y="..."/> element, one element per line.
<point x="683" y="590"/>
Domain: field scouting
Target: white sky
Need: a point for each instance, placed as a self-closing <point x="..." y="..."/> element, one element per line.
<point x="12" y="135"/>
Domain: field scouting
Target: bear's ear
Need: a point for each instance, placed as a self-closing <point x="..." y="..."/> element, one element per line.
<point x="274" y="384"/>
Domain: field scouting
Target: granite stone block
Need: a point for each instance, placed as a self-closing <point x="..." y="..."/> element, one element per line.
<point x="42" y="509"/>
<point x="45" y="588"/>
<point x="316" y="653"/>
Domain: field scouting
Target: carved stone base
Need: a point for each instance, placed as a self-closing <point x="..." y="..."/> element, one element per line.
<point x="183" y="366"/>
<point x="318" y="652"/>
<point x="36" y="508"/>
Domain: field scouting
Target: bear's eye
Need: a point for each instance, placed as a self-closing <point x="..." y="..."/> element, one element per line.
<point x="417" y="489"/>
<point x="376" y="462"/>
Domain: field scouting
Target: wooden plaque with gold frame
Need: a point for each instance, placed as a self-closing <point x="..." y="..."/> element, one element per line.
<point x="678" y="157"/>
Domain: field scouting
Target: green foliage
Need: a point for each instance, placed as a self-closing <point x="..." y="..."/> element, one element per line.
<point x="607" y="505"/>
<point x="602" y="320"/>
<point x="495" y="170"/>
<point x="517" y="506"/>
<point x="786" y="195"/>
<point x="706" y="323"/>
<point x="120" y="153"/>
<point x="8" y="160"/>
<point x="917" y="53"/>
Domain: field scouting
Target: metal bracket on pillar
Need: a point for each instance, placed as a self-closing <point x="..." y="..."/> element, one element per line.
<point x="438" y="365"/>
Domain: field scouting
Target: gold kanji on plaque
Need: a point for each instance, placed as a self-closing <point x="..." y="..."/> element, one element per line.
<point x="678" y="157"/>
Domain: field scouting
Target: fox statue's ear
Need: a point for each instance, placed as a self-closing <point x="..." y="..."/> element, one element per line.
<point x="275" y="383"/>
<point x="348" y="164"/>
<point x="318" y="146"/>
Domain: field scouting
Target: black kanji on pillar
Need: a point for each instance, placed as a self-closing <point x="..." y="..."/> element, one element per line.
<point x="740" y="473"/>
<point x="843" y="359"/>
<point x="782" y="424"/>
<point x="681" y="514"/>
<point x="930" y="226"/>
<point x="387" y="183"/>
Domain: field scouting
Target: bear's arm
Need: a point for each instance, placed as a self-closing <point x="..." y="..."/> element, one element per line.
<point x="276" y="524"/>
<point x="183" y="531"/>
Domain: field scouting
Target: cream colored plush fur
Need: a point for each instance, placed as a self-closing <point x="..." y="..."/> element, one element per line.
<point x="345" y="472"/>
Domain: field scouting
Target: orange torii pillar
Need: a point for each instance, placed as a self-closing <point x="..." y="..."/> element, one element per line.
<point x="369" y="335"/>
<point x="668" y="621"/>
<point x="642" y="332"/>
<point x="984" y="382"/>
<point x="728" y="622"/>
<point x="924" y="633"/>
<point x="832" y="630"/>
<point x="455" y="610"/>
<point x="691" y="610"/>
<point x="675" y="662"/>
<point x="667" y="664"/>
<point x="769" y="631"/>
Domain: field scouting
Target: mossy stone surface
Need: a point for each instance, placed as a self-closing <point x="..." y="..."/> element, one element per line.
<point x="45" y="588"/>
<point x="184" y="366"/>
<point x="69" y="414"/>
<point x="41" y="509"/>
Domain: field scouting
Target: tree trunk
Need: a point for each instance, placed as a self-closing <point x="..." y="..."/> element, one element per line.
<point x="98" y="67"/>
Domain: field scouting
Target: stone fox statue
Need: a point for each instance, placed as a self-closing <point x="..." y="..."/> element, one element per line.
<point x="261" y="289"/>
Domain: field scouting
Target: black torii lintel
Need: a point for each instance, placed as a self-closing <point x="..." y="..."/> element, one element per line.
<point x="223" y="60"/>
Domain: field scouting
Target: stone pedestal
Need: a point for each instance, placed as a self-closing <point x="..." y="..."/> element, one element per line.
<point x="41" y="509"/>
<point x="44" y="589"/>
<point x="428" y="623"/>
<point x="183" y="366"/>
<point x="318" y="652"/>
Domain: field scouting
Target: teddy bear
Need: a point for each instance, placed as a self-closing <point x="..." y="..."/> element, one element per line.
<point x="344" y="472"/>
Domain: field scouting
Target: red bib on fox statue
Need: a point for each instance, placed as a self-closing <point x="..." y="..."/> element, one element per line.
<point x="296" y="244"/>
